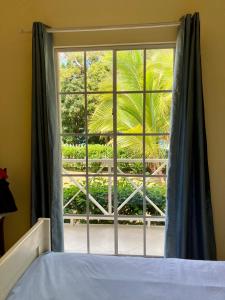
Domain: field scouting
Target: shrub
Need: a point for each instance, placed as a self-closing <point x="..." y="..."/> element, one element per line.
<point x="98" y="188"/>
<point x="99" y="151"/>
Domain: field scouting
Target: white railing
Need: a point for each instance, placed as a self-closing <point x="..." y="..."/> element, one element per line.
<point x="105" y="169"/>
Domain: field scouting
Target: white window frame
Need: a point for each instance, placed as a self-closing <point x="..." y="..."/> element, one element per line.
<point x="114" y="49"/>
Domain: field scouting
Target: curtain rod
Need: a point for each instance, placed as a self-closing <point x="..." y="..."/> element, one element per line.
<point x="110" y="28"/>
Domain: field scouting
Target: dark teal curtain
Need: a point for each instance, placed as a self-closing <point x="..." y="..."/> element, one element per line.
<point x="189" y="225"/>
<point x="46" y="181"/>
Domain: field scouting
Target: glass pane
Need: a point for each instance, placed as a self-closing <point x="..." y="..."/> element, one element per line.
<point x="102" y="237"/>
<point x="75" y="235"/>
<point x="73" y="154"/>
<point x="74" y="195"/>
<point x="130" y="237"/>
<point x="74" y="204"/>
<point x="99" y="71"/>
<point x="100" y="155"/>
<point x="72" y="113"/>
<point x="130" y="215"/>
<point x="156" y="196"/>
<point x="100" y="118"/>
<point x="130" y="113"/>
<point x="155" y="206"/>
<point x="159" y="69"/>
<point x="158" y="112"/>
<point x="130" y="70"/>
<point x="157" y="147"/>
<point x="130" y="196"/>
<point x="155" y="234"/>
<point x="101" y="215"/>
<point x="101" y="196"/>
<point x="130" y="154"/>
<point x="71" y="72"/>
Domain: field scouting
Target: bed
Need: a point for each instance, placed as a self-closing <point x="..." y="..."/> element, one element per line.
<point x="96" y="277"/>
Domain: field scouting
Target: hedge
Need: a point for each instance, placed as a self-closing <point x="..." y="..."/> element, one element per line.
<point x="98" y="188"/>
<point x="99" y="151"/>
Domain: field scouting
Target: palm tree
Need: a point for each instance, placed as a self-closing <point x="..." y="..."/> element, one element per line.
<point x="159" y="65"/>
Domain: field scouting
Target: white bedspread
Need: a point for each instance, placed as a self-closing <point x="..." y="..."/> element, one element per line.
<point x="67" y="276"/>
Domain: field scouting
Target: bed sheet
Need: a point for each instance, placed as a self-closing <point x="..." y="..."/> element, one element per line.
<point x="67" y="276"/>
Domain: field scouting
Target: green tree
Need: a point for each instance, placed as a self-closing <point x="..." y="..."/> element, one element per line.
<point x="72" y="79"/>
<point x="159" y="69"/>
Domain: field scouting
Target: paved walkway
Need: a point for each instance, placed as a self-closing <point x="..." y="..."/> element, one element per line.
<point x="102" y="239"/>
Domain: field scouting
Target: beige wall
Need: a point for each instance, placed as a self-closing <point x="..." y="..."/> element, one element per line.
<point x="15" y="80"/>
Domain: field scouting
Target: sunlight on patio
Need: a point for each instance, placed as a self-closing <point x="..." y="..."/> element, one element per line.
<point x="130" y="239"/>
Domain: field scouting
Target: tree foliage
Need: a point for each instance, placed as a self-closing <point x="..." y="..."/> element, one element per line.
<point x="130" y="77"/>
<point x="72" y="80"/>
<point x="130" y="105"/>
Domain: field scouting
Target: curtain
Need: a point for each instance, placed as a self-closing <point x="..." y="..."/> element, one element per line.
<point x="46" y="189"/>
<point x="189" y="225"/>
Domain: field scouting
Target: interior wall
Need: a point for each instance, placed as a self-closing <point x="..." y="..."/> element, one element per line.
<point x="15" y="80"/>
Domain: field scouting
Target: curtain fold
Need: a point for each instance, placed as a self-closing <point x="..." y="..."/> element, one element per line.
<point x="189" y="224"/>
<point x="46" y="191"/>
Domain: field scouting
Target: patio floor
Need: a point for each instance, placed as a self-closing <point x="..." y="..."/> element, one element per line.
<point x="130" y="239"/>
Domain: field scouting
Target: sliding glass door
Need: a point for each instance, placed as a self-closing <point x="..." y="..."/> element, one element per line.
<point x="115" y="107"/>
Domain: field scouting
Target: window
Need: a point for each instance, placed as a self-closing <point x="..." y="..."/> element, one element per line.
<point x="115" y="120"/>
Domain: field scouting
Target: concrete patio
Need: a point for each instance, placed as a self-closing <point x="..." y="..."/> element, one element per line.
<point x="130" y="239"/>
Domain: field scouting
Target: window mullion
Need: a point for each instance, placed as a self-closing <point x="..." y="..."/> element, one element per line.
<point x="144" y="142"/>
<point x="115" y="200"/>
<point x="86" y="154"/>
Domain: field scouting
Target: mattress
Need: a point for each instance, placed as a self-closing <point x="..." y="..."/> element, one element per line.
<point x="68" y="276"/>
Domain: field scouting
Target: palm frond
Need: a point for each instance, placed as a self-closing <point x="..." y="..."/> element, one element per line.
<point x="130" y="106"/>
